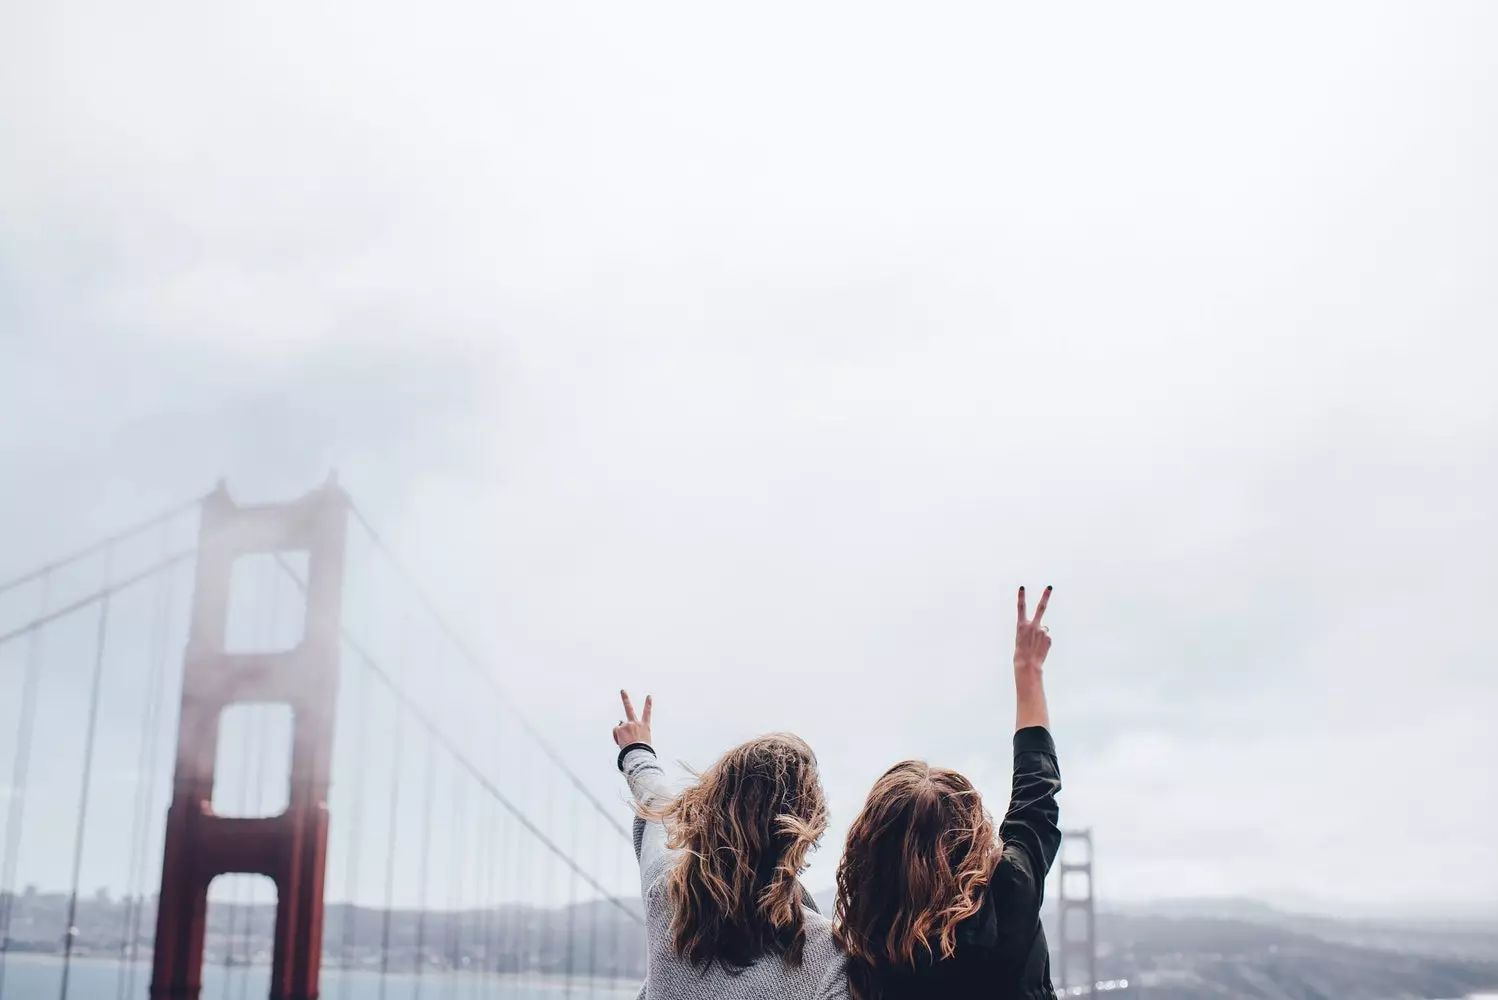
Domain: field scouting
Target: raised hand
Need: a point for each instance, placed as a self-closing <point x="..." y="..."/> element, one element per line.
<point x="1032" y="640"/>
<point x="632" y="730"/>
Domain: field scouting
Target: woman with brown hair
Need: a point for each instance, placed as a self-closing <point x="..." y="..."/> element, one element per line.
<point x="929" y="902"/>
<point x="725" y="912"/>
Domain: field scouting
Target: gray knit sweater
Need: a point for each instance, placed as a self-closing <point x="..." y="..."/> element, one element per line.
<point x="669" y="977"/>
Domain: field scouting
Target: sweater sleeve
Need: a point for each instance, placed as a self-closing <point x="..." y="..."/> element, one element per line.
<point x="1030" y="832"/>
<point x="647" y="784"/>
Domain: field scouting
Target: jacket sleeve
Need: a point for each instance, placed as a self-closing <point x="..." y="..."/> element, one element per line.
<point x="647" y="785"/>
<point x="1030" y="832"/>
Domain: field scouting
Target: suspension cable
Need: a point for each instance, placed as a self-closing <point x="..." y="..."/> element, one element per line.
<point x="477" y="663"/>
<point x="102" y="594"/>
<point x="437" y="735"/>
<point x="489" y="786"/>
<point x="100" y="545"/>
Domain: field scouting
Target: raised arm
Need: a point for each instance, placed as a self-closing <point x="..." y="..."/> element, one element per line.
<point x="647" y="784"/>
<point x="1030" y="832"/>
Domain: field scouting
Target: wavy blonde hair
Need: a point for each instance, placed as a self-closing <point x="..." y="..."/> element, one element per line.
<point x="917" y="861"/>
<point x="744" y="829"/>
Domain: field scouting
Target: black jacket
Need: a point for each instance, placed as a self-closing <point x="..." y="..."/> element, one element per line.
<point x="1001" y="950"/>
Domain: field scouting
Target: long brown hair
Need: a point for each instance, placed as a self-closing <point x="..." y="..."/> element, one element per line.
<point x="917" y="861"/>
<point x="745" y="828"/>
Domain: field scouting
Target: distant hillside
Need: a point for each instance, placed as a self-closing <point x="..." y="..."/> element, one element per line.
<point x="1195" y="957"/>
<point x="1188" y="950"/>
<point x="1452" y="937"/>
<point x="1185" y="951"/>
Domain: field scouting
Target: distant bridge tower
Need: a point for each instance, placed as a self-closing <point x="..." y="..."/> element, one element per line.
<point x="1076" y="916"/>
<point x="290" y="849"/>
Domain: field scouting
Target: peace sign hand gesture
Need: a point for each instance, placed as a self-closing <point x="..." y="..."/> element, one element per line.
<point x="632" y="730"/>
<point x="1032" y="640"/>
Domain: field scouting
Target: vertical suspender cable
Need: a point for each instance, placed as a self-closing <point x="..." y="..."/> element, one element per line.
<point x="145" y="801"/>
<point x="595" y="915"/>
<point x="629" y="888"/>
<point x="491" y="911"/>
<point x="478" y="958"/>
<point x="526" y="876"/>
<point x="535" y="928"/>
<point x="510" y="928"/>
<point x="532" y="914"/>
<point x="497" y="875"/>
<point x="571" y="951"/>
<point x="571" y="922"/>
<point x="615" y="959"/>
<point x="390" y="838"/>
<point x="548" y="945"/>
<point x="356" y="844"/>
<point x="461" y="962"/>
<point x="356" y="821"/>
<point x="480" y="961"/>
<point x="455" y="915"/>
<point x="20" y="769"/>
<point x="426" y="854"/>
<point x="100" y="638"/>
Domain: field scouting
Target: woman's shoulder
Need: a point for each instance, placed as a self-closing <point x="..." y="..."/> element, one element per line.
<point x="824" y="959"/>
<point x="821" y="950"/>
<point x="816" y="923"/>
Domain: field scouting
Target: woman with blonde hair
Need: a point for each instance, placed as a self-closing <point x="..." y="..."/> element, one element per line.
<point x="930" y="903"/>
<point x="725" y="912"/>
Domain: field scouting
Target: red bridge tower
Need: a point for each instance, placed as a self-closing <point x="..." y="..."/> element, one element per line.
<point x="290" y="849"/>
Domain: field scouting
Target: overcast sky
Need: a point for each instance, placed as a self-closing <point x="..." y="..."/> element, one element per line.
<point x="751" y="357"/>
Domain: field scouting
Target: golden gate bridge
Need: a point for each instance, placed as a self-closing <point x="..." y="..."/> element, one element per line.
<point x="480" y="863"/>
<point x="275" y="678"/>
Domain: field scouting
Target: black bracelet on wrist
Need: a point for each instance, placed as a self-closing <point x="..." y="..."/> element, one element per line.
<point x="624" y="751"/>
